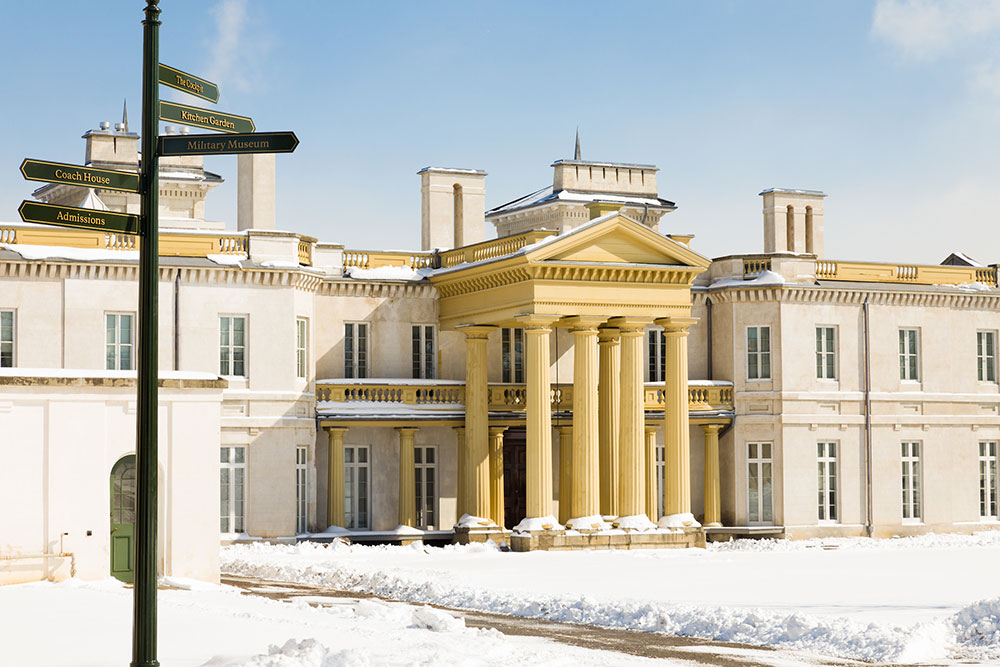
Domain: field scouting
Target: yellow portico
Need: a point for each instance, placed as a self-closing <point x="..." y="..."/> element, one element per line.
<point x="604" y="282"/>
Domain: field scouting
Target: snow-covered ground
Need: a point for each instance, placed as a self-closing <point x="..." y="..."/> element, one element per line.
<point x="902" y="600"/>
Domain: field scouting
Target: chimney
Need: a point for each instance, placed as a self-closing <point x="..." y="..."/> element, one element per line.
<point x="452" y="207"/>
<point x="255" y="197"/>
<point x="112" y="148"/>
<point x="793" y="221"/>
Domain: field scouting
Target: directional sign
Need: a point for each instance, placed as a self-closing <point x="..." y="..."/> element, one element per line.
<point x="88" y="177"/>
<point x="189" y="83"/>
<point x="81" y="218"/>
<point x="206" y="118"/>
<point x="213" y="144"/>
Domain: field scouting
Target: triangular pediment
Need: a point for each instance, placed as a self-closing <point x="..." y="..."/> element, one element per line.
<point x="617" y="239"/>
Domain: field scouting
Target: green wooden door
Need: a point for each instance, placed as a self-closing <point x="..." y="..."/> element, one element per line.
<point x="123" y="519"/>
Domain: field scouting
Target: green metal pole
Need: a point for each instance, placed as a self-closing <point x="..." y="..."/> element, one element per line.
<point x="144" y="600"/>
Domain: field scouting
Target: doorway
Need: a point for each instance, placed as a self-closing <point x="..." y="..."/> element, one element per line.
<point x="123" y="519"/>
<point x="515" y="483"/>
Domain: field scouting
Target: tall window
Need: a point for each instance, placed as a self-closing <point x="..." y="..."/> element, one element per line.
<point x="826" y="456"/>
<point x="301" y="497"/>
<point x="424" y="345"/>
<point x="656" y="343"/>
<point x="909" y="354"/>
<point x="356" y="469"/>
<point x="119" y="342"/>
<point x="232" y="487"/>
<point x="301" y="347"/>
<point x="988" y="479"/>
<point x="6" y="338"/>
<point x="759" y="483"/>
<point x="758" y="353"/>
<point x="826" y="353"/>
<point x="512" y="348"/>
<point x="986" y="355"/>
<point x="233" y="345"/>
<point x="661" y="470"/>
<point x="425" y="473"/>
<point x="911" y="481"/>
<point x="355" y="350"/>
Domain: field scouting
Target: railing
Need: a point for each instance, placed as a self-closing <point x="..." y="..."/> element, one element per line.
<point x="754" y="267"/>
<point x="305" y="253"/>
<point x="491" y="249"/>
<point x="905" y="273"/>
<point x="176" y="244"/>
<point x="503" y="397"/>
<point x="373" y="259"/>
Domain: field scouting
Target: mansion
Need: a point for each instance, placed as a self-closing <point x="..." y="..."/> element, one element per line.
<point x="586" y="379"/>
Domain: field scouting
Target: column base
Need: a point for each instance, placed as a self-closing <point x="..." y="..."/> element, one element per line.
<point x="478" y="529"/>
<point x="588" y="523"/>
<point x="685" y="520"/>
<point x="574" y="540"/>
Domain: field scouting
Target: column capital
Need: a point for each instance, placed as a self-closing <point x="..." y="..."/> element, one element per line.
<point x="607" y="335"/>
<point x="497" y="430"/>
<point x="651" y="428"/>
<point x="583" y="323"/>
<point x="712" y="428"/>
<point x="406" y="430"/>
<point x="564" y="428"/>
<point x="536" y="322"/>
<point x="459" y="429"/>
<point x="335" y="429"/>
<point x="630" y="326"/>
<point x="475" y="331"/>
<point x="676" y="325"/>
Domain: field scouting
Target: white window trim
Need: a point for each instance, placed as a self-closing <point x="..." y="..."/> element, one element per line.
<point x="355" y="464"/>
<point x="919" y="356"/>
<point x="993" y="364"/>
<point x="747" y="353"/>
<point x="117" y="314"/>
<point x="354" y="345"/>
<point x="835" y="354"/>
<point x="232" y="466"/>
<point x="13" y="333"/>
<point x="760" y="460"/>
<point x="302" y="373"/>
<point x="834" y="463"/>
<point x="435" y="504"/>
<point x="910" y="459"/>
<point x="421" y="354"/>
<point x="246" y="345"/>
<point x="992" y="492"/>
<point x="301" y="490"/>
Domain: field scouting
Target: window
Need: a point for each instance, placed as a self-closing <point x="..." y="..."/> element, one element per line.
<point x="759" y="483"/>
<point x="988" y="479"/>
<point x="826" y="353"/>
<point x="355" y="350"/>
<point x="119" y="344"/>
<point x="6" y="338"/>
<point x="301" y="346"/>
<point x="826" y="456"/>
<point x="909" y="362"/>
<point x="656" y="343"/>
<point x="356" y="487"/>
<point x="661" y="471"/>
<point x="425" y="472"/>
<point x="424" y="346"/>
<point x="911" y="481"/>
<point x="986" y="355"/>
<point x="758" y="353"/>
<point x="512" y="346"/>
<point x="301" y="499"/>
<point x="232" y="487"/>
<point x="233" y="345"/>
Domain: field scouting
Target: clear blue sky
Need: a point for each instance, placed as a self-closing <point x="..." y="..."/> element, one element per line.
<point x="891" y="107"/>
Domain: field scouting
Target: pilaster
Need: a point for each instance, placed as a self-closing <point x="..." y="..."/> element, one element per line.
<point x="461" y="501"/>
<point x="608" y="398"/>
<point x="565" y="473"/>
<point x="677" y="455"/>
<point x="477" y="463"/>
<point x="651" y="504"/>
<point x="496" y="475"/>
<point x="407" y="490"/>
<point x="713" y="488"/>
<point x="335" y="477"/>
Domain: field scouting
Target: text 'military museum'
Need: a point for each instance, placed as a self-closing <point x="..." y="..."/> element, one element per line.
<point x="584" y="380"/>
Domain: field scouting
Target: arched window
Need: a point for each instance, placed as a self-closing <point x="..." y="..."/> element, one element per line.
<point x="459" y="236"/>
<point x="790" y="228"/>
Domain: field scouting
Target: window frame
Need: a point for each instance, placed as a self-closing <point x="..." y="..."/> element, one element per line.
<point x="423" y="353"/>
<point x="423" y="504"/>
<point x="986" y="360"/>
<point x="656" y="355"/>
<point x="912" y="470"/>
<point x="828" y="470"/>
<point x="904" y="356"/>
<point x="827" y="360"/>
<point x="232" y="465"/>
<point x="989" y="502"/>
<point x="511" y="356"/>
<point x="301" y="490"/>
<point x="755" y="457"/>
<point x="760" y="354"/>
<point x="12" y="354"/>
<point x="117" y="345"/>
<point x="302" y="348"/>
<point x="232" y="347"/>
<point x="357" y="366"/>
<point x="351" y="482"/>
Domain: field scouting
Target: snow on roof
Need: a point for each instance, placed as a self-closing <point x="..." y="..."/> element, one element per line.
<point x="620" y="165"/>
<point x="91" y="200"/>
<point x="401" y="381"/>
<point x="546" y="195"/>
<point x="388" y="273"/>
<point x="384" y="410"/>
<point x="959" y="259"/>
<point x="452" y="170"/>
<point x="37" y="252"/>
<point x="765" y="278"/>
<point x="791" y="191"/>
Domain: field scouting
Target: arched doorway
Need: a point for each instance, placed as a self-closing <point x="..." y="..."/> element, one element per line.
<point x="123" y="519"/>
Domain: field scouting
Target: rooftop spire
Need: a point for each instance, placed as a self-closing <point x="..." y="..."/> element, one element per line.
<point x="576" y="154"/>
<point x="125" y="114"/>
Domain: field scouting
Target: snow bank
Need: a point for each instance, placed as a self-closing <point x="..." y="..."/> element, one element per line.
<point x="989" y="538"/>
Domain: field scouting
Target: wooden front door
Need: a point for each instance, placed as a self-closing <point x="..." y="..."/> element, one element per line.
<point x="123" y="519"/>
<point x="514" y="477"/>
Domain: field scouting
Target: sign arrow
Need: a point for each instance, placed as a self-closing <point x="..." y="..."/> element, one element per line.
<point x="214" y="144"/>
<point x="87" y="177"/>
<point x="189" y="83"/>
<point x="205" y="118"/>
<point x="80" y="218"/>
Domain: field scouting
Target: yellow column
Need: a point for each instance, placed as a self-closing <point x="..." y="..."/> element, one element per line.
<point x="335" y="477"/>
<point x="496" y="474"/>
<point x="477" y="459"/>
<point x="631" y="454"/>
<point x="651" y="508"/>
<point x="539" y="416"/>
<point x="565" y="473"/>
<point x="461" y="502"/>
<point x="407" y="491"/>
<point x="608" y="399"/>
<point x="586" y="475"/>
<point x="677" y="455"/>
<point x="713" y="492"/>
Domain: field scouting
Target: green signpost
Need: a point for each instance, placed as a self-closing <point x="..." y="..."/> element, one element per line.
<point x="81" y="218"/>
<point x="214" y="144"/>
<point x="71" y="174"/>
<point x="205" y="118"/>
<point x="189" y="83"/>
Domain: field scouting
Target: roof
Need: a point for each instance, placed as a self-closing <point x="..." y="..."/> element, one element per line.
<point x="619" y="165"/>
<point x="960" y="259"/>
<point x="452" y="170"/>
<point x="546" y="196"/>
<point x="790" y="191"/>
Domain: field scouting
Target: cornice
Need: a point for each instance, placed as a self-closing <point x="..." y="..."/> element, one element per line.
<point x="855" y="296"/>
<point x="376" y="289"/>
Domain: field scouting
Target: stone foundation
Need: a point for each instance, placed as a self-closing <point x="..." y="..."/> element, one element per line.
<point x="468" y="535"/>
<point x="558" y="540"/>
